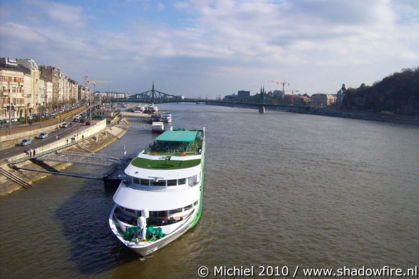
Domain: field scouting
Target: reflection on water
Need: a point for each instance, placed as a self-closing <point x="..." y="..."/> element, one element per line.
<point x="280" y="189"/>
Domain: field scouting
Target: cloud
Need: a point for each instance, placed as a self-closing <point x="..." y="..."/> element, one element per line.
<point x="66" y="14"/>
<point x="160" y="6"/>
<point x="243" y="40"/>
<point x="21" y="33"/>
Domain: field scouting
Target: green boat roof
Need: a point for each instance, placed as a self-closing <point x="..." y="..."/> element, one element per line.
<point x="178" y="136"/>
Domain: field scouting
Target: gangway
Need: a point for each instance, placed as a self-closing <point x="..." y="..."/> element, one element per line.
<point x="111" y="177"/>
<point x="80" y="158"/>
<point x="98" y="177"/>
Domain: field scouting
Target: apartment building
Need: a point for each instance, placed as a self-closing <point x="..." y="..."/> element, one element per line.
<point x="31" y="85"/>
<point x="83" y="93"/>
<point x="14" y="80"/>
<point x="321" y="100"/>
<point x="30" y="88"/>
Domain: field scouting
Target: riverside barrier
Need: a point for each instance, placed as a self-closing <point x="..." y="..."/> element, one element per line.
<point x="10" y="140"/>
<point x="28" y="134"/>
<point x="63" y="142"/>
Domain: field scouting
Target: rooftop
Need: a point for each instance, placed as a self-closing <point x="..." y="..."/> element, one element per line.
<point x="177" y="143"/>
<point x="178" y="136"/>
<point x="182" y="143"/>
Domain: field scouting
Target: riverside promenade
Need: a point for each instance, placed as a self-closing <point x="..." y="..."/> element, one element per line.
<point x="81" y="138"/>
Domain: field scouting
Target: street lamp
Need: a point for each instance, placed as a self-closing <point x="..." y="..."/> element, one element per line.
<point x="40" y="115"/>
<point x="10" y="105"/>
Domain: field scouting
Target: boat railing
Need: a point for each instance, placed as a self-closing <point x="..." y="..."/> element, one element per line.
<point x="177" y="151"/>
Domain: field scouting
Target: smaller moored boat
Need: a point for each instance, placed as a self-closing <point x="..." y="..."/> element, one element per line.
<point x="151" y="109"/>
<point x="157" y="127"/>
<point x="167" y="118"/>
<point x="139" y="109"/>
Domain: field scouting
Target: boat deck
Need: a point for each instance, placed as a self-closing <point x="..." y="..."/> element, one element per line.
<point x="175" y="149"/>
<point x="178" y="143"/>
<point x="164" y="164"/>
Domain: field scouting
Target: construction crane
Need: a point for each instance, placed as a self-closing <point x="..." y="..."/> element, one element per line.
<point x="94" y="82"/>
<point x="283" y="83"/>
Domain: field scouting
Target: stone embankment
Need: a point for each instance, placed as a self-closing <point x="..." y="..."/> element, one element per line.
<point x="96" y="138"/>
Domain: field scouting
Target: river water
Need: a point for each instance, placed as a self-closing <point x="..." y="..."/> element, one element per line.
<point x="281" y="189"/>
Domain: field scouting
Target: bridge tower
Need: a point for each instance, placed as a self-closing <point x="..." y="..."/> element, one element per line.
<point x="153" y="92"/>
<point x="262" y="102"/>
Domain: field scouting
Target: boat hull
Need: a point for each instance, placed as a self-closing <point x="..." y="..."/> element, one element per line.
<point x="144" y="251"/>
<point x="146" y="248"/>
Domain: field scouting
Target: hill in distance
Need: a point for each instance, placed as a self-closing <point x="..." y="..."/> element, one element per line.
<point x="397" y="93"/>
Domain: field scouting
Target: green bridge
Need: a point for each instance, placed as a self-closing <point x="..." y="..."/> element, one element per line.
<point x="154" y="96"/>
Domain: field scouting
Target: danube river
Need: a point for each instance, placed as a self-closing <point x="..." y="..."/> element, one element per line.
<point x="281" y="189"/>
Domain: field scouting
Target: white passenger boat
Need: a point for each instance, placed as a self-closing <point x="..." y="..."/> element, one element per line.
<point x="157" y="127"/>
<point x="167" y="117"/>
<point x="166" y="180"/>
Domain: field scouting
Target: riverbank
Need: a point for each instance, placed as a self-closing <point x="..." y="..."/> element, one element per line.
<point x="362" y="115"/>
<point x="371" y="116"/>
<point x="18" y="179"/>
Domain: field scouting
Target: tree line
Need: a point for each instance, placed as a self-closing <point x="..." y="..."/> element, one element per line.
<point x="397" y="93"/>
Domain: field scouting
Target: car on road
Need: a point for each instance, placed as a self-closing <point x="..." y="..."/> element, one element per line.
<point x="43" y="135"/>
<point x="25" y="142"/>
<point x="87" y="123"/>
<point x="64" y="125"/>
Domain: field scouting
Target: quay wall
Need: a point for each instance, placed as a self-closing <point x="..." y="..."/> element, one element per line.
<point x="8" y="141"/>
<point x="135" y="114"/>
<point x="66" y="141"/>
<point x="96" y="138"/>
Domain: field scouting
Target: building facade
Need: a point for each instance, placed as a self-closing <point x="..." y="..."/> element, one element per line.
<point x="31" y="86"/>
<point x="321" y="100"/>
<point x="12" y="89"/>
<point x="83" y="93"/>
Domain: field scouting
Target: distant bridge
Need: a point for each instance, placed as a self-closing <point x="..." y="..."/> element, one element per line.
<point x="154" y="96"/>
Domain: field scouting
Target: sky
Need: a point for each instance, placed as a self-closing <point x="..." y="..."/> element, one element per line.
<point x="212" y="48"/>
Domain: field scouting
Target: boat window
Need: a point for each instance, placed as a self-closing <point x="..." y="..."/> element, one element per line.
<point x="124" y="217"/>
<point x="161" y="213"/>
<point x="158" y="183"/>
<point x="193" y="180"/>
<point x="175" y="211"/>
<point x="181" y="181"/>
<point x="188" y="207"/>
<point x="157" y="214"/>
<point x="195" y="203"/>
<point x="128" y="180"/>
<point x="172" y="182"/>
<point x="145" y="182"/>
<point x="135" y="180"/>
